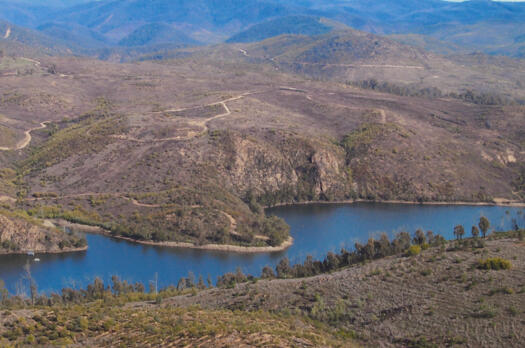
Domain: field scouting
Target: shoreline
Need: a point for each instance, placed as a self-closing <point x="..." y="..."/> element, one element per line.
<point x="502" y="203"/>
<point x="48" y="252"/>
<point x="183" y="245"/>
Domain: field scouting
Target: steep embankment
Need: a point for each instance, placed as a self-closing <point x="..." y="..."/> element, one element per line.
<point x="21" y="234"/>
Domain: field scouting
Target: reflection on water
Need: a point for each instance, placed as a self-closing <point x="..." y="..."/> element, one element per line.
<point x="316" y="229"/>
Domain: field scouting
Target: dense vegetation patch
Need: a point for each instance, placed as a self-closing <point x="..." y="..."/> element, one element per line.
<point x="432" y="92"/>
<point x="494" y="263"/>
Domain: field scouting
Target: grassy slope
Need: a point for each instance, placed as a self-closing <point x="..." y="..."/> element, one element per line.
<point x="100" y="324"/>
<point x="439" y="297"/>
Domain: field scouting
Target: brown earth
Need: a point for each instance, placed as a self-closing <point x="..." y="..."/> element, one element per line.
<point x="20" y="236"/>
<point x="189" y="140"/>
<point x="439" y="296"/>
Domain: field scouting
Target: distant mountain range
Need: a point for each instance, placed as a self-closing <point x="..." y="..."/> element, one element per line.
<point x="478" y="25"/>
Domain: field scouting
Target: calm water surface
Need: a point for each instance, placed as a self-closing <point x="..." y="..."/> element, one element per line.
<point x="316" y="229"/>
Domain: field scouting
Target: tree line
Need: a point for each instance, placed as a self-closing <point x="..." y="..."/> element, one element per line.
<point x="432" y="92"/>
<point x="402" y="243"/>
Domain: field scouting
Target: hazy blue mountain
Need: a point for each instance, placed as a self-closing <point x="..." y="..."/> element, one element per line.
<point x="23" y="14"/>
<point x="155" y="34"/>
<point x="74" y="33"/>
<point x="492" y="27"/>
<point x="303" y="25"/>
<point x="18" y="40"/>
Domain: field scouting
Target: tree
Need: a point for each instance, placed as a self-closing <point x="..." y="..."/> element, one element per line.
<point x="32" y="284"/>
<point x="201" y="284"/>
<point x="283" y="268"/>
<point x="484" y="225"/>
<point x="267" y="273"/>
<point x="154" y="284"/>
<point x="190" y="281"/>
<point x="419" y="237"/>
<point x="4" y="294"/>
<point x="210" y="283"/>
<point x="181" y="284"/>
<point x="239" y="276"/>
<point x="459" y="231"/>
<point x="117" y="285"/>
<point x="139" y="287"/>
<point x="96" y="290"/>
<point x="475" y="232"/>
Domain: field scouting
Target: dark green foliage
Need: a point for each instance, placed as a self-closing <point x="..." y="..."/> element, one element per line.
<point x="373" y="249"/>
<point x="419" y="237"/>
<point x="276" y="229"/>
<point x="154" y="34"/>
<point x="230" y="279"/>
<point x="431" y="92"/>
<point x="475" y="232"/>
<point x="484" y="225"/>
<point x="267" y="273"/>
<point x="459" y="232"/>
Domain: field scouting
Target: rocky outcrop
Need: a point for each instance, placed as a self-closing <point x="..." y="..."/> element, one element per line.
<point x="284" y="168"/>
<point x="21" y="236"/>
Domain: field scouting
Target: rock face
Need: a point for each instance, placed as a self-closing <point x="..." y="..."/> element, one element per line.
<point x="20" y="236"/>
<point x="284" y="168"/>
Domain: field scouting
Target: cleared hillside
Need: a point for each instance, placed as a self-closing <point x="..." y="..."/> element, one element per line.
<point x="189" y="151"/>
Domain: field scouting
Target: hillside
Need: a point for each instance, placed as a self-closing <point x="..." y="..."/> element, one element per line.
<point x="71" y="33"/>
<point x="487" y="26"/>
<point x="468" y="292"/>
<point x="438" y="298"/>
<point x="350" y="55"/>
<point x="196" y="147"/>
<point x="17" y="40"/>
<point x="20" y="234"/>
<point x="299" y="25"/>
<point x="155" y="34"/>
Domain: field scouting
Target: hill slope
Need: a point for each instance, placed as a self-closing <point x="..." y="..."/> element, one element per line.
<point x="300" y="25"/>
<point x="155" y="34"/>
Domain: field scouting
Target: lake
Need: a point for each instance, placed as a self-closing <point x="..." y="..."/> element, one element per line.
<point x="317" y="229"/>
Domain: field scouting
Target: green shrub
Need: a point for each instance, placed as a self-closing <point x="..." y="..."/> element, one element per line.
<point x="494" y="263"/>
<point x="425" y="246"/>
<point x="414" y="250"/>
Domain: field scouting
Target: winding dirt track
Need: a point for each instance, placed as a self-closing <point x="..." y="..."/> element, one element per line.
<point x="27" y="138"/>
<point x="203" y="124"/>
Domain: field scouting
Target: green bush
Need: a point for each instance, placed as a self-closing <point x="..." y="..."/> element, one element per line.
<point x="414" y="250"/>
<point x="494" y="263"/>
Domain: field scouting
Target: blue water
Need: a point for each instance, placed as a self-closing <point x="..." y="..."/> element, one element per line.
<point x="316" y="229"/>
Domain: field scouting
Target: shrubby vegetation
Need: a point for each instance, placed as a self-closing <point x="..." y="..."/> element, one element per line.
<point x="494" y="263"/>
<point x="431" y="92"/>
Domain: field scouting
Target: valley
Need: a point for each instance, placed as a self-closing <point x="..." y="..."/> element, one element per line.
<point x="147" y="151"/>
<point x="262" y="173"/>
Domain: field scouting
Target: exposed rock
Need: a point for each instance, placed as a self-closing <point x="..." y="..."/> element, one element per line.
<point x="20" y="236"/>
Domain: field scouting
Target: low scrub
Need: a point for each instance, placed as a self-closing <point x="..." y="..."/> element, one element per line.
<point x="414" y="250"/>
<point x="494" y="263"/>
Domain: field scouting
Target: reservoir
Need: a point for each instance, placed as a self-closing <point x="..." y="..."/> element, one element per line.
<point x="316" y="229"/>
